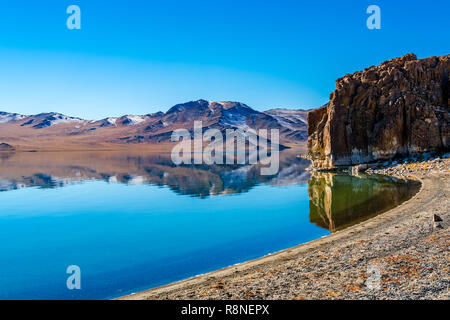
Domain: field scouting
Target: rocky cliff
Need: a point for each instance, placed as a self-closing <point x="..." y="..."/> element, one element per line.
<point x="397" y="109"/>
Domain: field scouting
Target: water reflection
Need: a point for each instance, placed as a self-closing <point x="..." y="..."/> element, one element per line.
<point x="53" y="169"/>
<point x="336" y="200"/>
<point x="340" y="200"/>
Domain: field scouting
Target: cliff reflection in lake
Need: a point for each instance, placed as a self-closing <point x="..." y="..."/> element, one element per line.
<point x="340" y="200"/>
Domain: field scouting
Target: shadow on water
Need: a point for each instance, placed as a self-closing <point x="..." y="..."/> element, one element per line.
<point x="338" y="201"/>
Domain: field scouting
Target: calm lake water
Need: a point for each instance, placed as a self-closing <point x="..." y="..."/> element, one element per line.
<point x="133" y="222"/>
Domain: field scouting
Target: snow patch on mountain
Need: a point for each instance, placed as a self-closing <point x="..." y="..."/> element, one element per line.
<point x="234" y="120"/>
<point x="60" y="119"/>
<point x="111" y="121"/>
<point x="51" y="119"/>
<point x="10" y="117"/>
<point x="132" y="120"/>
<point x="292" y="119"/>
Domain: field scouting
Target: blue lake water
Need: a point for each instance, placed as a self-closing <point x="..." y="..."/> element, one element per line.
<point x="133" y="223"/>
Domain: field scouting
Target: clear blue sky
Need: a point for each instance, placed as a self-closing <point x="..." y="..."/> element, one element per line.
<point x="136" y="57"/>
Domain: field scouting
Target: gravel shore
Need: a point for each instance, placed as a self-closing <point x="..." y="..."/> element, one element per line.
<point x="400" y="254"/>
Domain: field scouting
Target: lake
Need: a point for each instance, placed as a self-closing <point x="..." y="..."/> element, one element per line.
<point x="136" y="221"/>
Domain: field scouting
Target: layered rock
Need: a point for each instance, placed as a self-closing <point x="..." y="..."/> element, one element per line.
<point x="397" y="109"/>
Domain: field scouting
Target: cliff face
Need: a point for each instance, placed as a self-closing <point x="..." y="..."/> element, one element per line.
<point x="399" y="108"/>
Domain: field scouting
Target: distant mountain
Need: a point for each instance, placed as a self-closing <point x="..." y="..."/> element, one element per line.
<point x="58" y="131"/>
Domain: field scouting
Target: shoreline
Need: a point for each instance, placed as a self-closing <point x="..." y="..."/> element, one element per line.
<point x="335" y="266"/>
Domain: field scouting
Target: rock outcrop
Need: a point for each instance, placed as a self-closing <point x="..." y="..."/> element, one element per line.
<point x="397" y="109"/>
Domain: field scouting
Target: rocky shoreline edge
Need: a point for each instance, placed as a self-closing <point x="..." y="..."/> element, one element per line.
<point x="400" y="254"/>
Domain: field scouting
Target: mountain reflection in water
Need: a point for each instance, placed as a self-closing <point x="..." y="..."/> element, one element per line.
<point x="336" y="200"/>
<point x="57" y="169"/>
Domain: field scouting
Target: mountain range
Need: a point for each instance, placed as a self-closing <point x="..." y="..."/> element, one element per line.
<point x="55" y="131"/>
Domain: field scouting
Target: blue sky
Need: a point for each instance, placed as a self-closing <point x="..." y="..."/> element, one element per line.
<point x="137" y="57"/>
